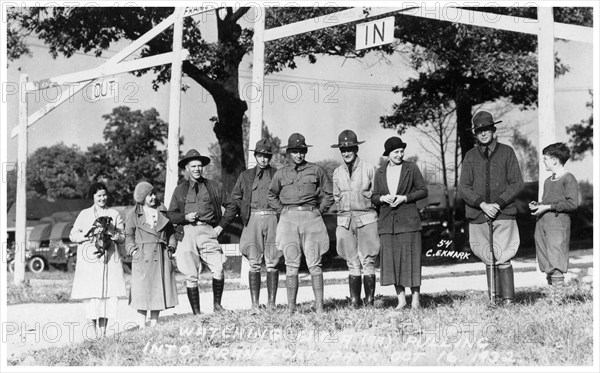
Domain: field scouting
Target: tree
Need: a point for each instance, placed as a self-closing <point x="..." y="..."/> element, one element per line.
<point x="582" y="136"/>
<point x="461" y="66"/>
<point x="215" y="66"/>
<point x="527" y="155"/>
<point x="58" y="172"/>
<point x="131" y="153"/>
<point x="213" y="170"/>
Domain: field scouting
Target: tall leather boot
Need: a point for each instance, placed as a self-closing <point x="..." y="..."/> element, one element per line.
<point x="507" y="285"/>
<point x="194" y="298"/>
<point x="254" y="283"/>
<point x="557" y="292"/>
<point x="355" y="285"/>
<point x="317" y="285"/>
<point x="291" y="283"/>
<point x="369" y="283"/>
<point x="497" y="291"/>
<point x="218" y="286"/>
<point x="272" y="284"/>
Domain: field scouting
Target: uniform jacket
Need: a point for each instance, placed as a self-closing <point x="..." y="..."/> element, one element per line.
<point x="308" y="185"/>
<point x="405" y="217"/>
<point x="494" y="180"/>
<point x="153" y="284"/>
<point x="176" y="212"/>
<point x="353" y="194"/>
<point x="242" y="191"/>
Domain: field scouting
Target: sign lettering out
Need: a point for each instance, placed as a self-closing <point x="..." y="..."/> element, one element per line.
<point x="375" y="33"/>
<point x="103" y="89"/>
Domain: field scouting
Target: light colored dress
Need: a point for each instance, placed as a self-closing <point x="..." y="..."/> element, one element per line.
<point x="99" y="281"/>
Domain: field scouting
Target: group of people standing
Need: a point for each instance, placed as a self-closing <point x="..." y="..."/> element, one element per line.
<point x="282" y="210"/>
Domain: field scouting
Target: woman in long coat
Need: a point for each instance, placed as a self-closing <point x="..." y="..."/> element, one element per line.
<point x="99" y="281"/>
<point x="150" y="240"/>
<point x="397" y="186"/>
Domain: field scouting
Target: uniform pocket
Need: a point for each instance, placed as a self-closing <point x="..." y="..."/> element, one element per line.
<point x="309" y="184"/>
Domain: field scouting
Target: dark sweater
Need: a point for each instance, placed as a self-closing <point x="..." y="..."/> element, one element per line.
<point x="562" y="195"/>
<point x="494" y="180"/>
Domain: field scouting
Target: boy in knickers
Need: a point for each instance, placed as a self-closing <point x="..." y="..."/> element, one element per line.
<point x="553" y="227"/>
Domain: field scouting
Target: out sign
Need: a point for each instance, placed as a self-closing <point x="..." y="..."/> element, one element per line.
<point x="103" y="89"/>
<point x="375" y="33"/>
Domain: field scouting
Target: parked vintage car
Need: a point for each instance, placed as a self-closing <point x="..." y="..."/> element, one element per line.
<point x="49" y="243"/>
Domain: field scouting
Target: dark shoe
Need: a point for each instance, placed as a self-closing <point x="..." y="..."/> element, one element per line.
<point x="369" y="284"/>
<point x="291" y="283"/>
<point x="194" y="298"/>
<point x="355" y="285"/>
<point x="272" y="284"/>
<point x="497" y="292"/>
<point x="254" y="283"/>
<point x="507" y="285"/>
<point x="218" y="286"/>
<point x="317" y="285"/>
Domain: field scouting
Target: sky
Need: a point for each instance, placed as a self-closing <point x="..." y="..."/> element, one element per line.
<point x="318" y="100"/>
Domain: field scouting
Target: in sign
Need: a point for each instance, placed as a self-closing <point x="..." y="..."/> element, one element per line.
<point x="375" y="33"/>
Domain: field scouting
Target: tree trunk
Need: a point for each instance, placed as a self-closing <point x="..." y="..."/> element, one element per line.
<point x="463" y="122"/>
<point x="229" y="133"/>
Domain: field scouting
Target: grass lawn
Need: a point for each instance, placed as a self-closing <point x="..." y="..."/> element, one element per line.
<point x="451" y="329"/>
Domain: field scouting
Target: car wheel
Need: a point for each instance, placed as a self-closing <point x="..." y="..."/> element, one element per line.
<point x="71" y="264"/>
<point x="36" y="265"/>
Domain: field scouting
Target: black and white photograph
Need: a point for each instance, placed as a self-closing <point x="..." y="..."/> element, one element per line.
<point x="291" y="186"/>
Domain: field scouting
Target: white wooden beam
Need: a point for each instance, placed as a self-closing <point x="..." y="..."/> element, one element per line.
<point x="581" y="34"/>
<point x="142" y="40"/>
<point x="448" y="14"/>
<point x="40" y="113"/>
<point x="105" y="70"/>
<point x="258" y="78"/>
<point x="174" y="105"/>
<point x="21" y="217"/>
<point x="546" y="113"/>
<point x="329" y="20"/>
<point x="124" y="53"/>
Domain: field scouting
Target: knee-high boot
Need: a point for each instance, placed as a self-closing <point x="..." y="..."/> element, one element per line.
<point x="369" y="283"/>
<point x="355" y="285"/>
<point x="272" y="284"/>
<point x="291" y="283"/>
<point x="317" y="285"/>
<point x="507" y="285"/>
<point x="194" y="298"/>
<point x="254" y="284"/>
<point x="496" y="272"/>
<point x="218" y="286"/>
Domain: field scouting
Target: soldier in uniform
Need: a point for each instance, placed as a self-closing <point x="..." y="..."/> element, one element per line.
<point x="356" y="232"/>
<point x="260" y="222"/>
<point x="302" y="192"/>
<point x="196" y="208"/>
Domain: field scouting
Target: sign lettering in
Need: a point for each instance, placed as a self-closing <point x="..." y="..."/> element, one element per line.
<point x="375" y="33"/>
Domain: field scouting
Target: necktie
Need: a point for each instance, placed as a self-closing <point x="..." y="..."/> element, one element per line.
<point x="259" y="175"/>
<point x="486" y="152"/>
